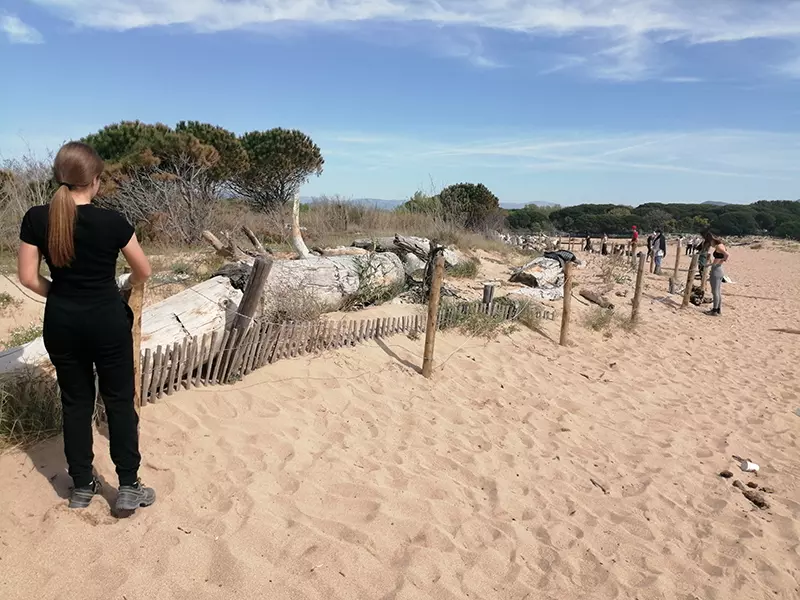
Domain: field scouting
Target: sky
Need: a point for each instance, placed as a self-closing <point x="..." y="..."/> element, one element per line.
<point x="561" y="101"/>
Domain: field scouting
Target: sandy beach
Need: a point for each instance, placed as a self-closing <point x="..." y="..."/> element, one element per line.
<point x="522" y="470"/>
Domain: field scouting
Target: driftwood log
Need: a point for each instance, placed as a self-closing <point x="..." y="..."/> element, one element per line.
<point x="330" y="281"/>
<point x="210" y="306"/>
<point x="404" y="245"/>
<point x="596" y="298"/>
<point x="207" y="307"/>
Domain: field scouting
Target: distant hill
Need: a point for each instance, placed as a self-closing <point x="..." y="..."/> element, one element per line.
<point x="712" y="203"/>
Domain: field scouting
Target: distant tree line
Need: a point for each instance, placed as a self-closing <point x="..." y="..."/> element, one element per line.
<point x="776" y="218"/>
<point x="474" y="206"/>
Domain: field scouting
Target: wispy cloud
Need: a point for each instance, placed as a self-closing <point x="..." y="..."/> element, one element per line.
<point x="19" y="32"/>
<point x="619" y="39"/>
<point x="715" y="153"/>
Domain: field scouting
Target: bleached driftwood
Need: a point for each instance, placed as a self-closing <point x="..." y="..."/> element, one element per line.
<point x="204" y="308"/>
<point x="211" y="305"/>
<point x="297" y="237"/>
<point x="330" y="280"/>
<point x="403" y="245"/>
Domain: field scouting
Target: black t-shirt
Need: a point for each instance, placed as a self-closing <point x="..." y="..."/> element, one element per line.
<point x="99" y="236"/>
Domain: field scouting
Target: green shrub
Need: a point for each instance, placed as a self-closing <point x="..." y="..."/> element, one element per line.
<point x="22" y="335"/>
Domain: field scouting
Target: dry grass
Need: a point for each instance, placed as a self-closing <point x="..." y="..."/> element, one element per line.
<point x="475" y="323"/>
<point x="30" y="410"/>
<point x="7" y="301"/>
<point x="293" y="306"/>
<point x="599" y="319"/>
<point x="616" y="269"/>
<point x="467" y="269"/>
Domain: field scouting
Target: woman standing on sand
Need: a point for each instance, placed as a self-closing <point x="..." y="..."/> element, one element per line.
<point x="604" y="245"/>
<point x="87" y="325"/>
<point x="720" y="255"/>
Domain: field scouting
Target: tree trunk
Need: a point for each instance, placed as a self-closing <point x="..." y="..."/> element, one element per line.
<point x="297" y="237"/>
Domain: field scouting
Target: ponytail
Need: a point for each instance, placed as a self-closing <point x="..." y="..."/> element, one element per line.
<point x="61" y="228"/>
<point x="77" y="166"/>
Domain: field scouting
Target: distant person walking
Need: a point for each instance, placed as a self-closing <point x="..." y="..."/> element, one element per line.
<point x="634" y="240"/>
<point x="87" y="325"/>
<point x="604" y="245"/>
<point x="587" y="243"/>
<point x="719" y="256"/>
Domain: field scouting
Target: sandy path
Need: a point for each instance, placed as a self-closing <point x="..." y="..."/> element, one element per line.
<point x="350" y="476"/>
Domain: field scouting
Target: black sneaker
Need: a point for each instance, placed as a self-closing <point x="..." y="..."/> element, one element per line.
<point x="81" y="497"/>
<point x="131" y="497"/>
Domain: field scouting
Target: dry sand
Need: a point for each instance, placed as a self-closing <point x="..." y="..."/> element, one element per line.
<point x="350" y="476"/>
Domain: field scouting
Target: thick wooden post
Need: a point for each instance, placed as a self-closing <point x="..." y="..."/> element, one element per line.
<point x="433" y="314"/>
<point x="252" y="293"/>
<point x="565" y="313"/>
<point x="488" y="293"/>
<point x="135" y="302"/>
<point x="687" y="293"/>
<point x="246" y="311"/>
<point x="677" y="261"/>
<point x="637" y="297"/>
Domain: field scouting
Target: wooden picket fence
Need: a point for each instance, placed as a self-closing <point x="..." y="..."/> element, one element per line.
<point x="222" y="359"/>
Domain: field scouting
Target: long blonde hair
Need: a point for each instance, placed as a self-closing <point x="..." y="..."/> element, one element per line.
<point x="76" y="166"/>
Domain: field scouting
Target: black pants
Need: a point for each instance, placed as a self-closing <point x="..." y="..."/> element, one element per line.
<point x="80" y="337"/>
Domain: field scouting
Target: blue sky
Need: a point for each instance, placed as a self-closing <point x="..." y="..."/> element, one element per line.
<point x="562" y="101"/>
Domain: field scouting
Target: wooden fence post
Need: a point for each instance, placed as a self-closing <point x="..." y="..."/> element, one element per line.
<point x="433" y="313"/>
<point x="704" y="278"/>
<point x="687" y="293"/>
<point x="252" y="293"/>
<point x="488" y="293"/>
<point x="637" y="297"/>
<point x="135" y="302"/>
<point x="677" y="261"/>
<point x="565" y="314"/>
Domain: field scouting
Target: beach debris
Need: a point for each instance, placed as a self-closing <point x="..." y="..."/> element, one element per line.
<point x="756" y="498"/>
<point x="598" y="484"/>
<point x="752" y="485"/>
<point x="622" y="293"/>
<point x="541" y="272"/>
<point x="598" y="299"/>
<point x="746" y="465"/>
<point x="767" y="490"/>
<point x="749" y="467"/>
<point x="726" y="474"/>
<point x="739" y="485"/>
